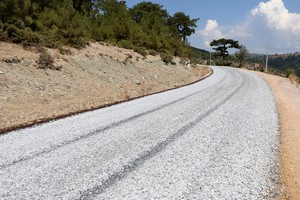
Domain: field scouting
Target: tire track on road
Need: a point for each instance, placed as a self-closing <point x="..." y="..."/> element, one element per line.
<point x="102" y="129"/>
<point x="130" y="167"/>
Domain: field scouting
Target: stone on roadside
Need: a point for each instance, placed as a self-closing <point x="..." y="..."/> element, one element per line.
<point x="137" y="82"/>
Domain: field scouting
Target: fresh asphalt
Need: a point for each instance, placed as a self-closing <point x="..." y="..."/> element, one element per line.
<point x="215" y="139"/>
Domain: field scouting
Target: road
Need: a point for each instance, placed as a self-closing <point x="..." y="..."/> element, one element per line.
<point x="216" y="139"/>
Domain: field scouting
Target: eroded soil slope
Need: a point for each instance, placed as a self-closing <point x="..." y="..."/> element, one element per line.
<point x="96" y="76"/>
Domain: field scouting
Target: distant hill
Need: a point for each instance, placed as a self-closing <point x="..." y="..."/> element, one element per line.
<point x="279" y="62"/>
<point x="255" y="55"/>
<point x="199" y="54"/>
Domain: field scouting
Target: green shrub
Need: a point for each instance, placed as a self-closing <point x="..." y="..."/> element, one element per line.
<point x="57" y="23"/>
<point x="14" y="33"/>
<point x="141" y="50"/>
<point x="3" y="33"/>
<point x="166" y="56"/>
<point x="64" y="51"/>
<point x="30" y="37"/>
<point x="126" y="44"/>
<point x="152" y="52"/>
<point x="262" y="69"/>
<point x="28" y="21"/>
<point x="290" y="72"/>
<point x="78" y="31"/>
<point x="219" y="62"/>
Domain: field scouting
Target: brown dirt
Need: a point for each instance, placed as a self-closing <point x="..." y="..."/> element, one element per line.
<point x="288" y="105"/>
<point x="93" y="77"/>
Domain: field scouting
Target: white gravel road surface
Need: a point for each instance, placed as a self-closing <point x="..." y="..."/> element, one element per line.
<point x="216" y="139"/>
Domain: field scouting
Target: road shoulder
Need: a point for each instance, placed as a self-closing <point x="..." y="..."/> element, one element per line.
<point x="288" y="105"/>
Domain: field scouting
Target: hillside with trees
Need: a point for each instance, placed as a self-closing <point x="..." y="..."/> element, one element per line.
<point x="281" y="64"/>
<point x="146" y="27"/>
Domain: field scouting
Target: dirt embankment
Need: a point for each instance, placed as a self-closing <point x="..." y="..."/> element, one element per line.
<point x="93" y="77"/>
<point x="288" y="105"/>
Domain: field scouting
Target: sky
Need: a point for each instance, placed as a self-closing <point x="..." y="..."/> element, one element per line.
<point x="271" y="26"/>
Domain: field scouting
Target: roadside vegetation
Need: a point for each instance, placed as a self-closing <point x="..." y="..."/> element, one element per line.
<point x="280" y="64"/>
<point x="221" y="55"/>
<point x="146" y="27"/>
<point x="221" y="47"/>
<point x="241" y="55"/>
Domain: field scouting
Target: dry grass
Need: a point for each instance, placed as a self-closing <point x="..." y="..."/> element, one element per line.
<point x="126" y="95"/>
<point x="294" y="79"/>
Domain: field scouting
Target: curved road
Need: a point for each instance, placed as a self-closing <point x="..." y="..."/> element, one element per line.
<point x="216" y="139"/>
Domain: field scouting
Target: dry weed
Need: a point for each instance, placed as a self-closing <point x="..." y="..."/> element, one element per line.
<point x="46" y="61"/>
<point x="126" y="94"/>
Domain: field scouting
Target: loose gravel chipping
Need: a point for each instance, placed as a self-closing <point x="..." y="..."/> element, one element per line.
<point x="216" y="139"/>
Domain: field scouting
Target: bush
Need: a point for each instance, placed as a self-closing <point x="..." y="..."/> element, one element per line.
<point x="141" y="50"/>
<point x="59" y="23"/>
<point x="64" y="51"/>
<point x="227" y="64"/>
<point x="166" y="56"/>
<point x="290" y="72"/>
<point x="152" y="52"/>
<point x="28" y="21"/>
<point x="30" y="37"/>
<point x="126" y="44"/>
<point x="219" y="62"/>
<point x="3" y="34"/>
<point x="262" y="69"/>
<point x="46" y="61"/>
<point x="14" y="33"/>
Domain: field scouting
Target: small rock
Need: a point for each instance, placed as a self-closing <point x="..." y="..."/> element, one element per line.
<point x="137" y="82"/>
<point x="1" y="72"/>
<point x="11" y="60"/>
<point x="173" y="62"/>
<point x="4" y="98"/>
<point x="57" y="67"/>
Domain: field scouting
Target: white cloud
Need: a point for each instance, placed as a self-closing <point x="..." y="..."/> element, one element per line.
<point x="270" y="23"/>
<point x="210" y="32"/>
<point x="277" y="16"/>
<point x="238" y="31"/>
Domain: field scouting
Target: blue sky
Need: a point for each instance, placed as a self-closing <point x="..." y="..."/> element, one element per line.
<point x="258" y="24"/>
